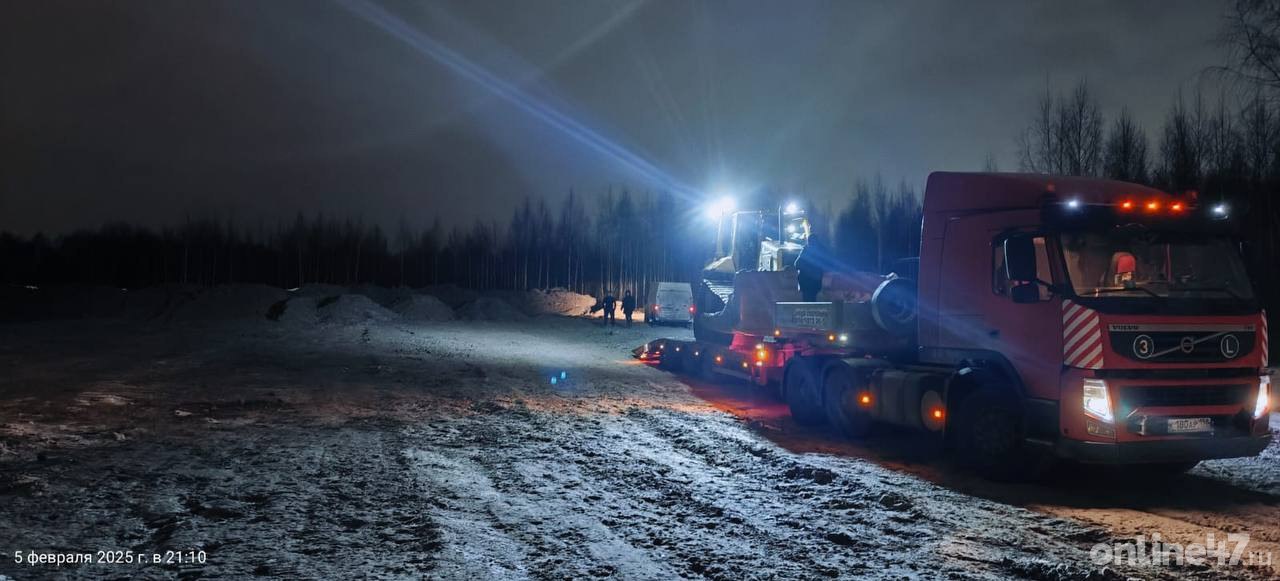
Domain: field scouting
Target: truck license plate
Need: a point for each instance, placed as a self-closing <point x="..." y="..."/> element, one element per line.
<point x="1185" y="425"/>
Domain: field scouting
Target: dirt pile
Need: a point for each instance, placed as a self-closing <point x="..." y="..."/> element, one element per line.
<point x="352" y="310"/>
<point x="423" y="308"/>
<point x="558" y="301"/>
<point x="30" y="303"/>
<point x="452" y="295"/>
<point x="319" y="291"/>
<point x="299" y="310"/>
<point x="383" y="295"/>
<point x="230" y="302"/>
<point x="490" y="309"/>
<point x="157" y="302"/>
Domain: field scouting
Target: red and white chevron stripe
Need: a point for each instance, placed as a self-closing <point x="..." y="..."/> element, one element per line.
<point x="1081" y="337"/>
<point x="1262" y="336"/>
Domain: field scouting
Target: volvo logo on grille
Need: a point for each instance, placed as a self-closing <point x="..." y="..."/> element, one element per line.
<point x="1179" y="343"/>
<point x="1230" y="346"/>
<point x="1143" y="346"/>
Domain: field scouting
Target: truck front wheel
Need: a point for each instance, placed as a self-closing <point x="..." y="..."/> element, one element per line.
<point x="801" y="389"/>
<point x="992" y="438"/>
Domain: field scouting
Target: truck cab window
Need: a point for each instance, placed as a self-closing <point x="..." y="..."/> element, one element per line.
<point x="1000" y="283"/>
<point x="1140" y="264"/>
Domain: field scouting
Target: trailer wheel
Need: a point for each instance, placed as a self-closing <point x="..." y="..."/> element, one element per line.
<point x="992" y="438"/>
<point x="691" y="364"/>
<point x="671" y="359"/>
<point x="706" y="367"/>
<point x="842" y="387"/>
<point x="801" y="389"/>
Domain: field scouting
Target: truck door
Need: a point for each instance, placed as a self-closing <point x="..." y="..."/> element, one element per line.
<point x="1029" y="335"/>
<point x="977" y="314"/>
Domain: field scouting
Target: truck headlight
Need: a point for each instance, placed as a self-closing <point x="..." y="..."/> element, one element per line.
<point x="1263" y="404"/>
<point x="1097" y="402"/>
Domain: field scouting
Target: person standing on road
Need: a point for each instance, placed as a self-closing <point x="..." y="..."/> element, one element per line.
<point x="628" y="306"/>
<point x="610" y="303"/>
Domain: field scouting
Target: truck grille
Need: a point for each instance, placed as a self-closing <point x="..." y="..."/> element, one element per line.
<point x="1176" y="395"/>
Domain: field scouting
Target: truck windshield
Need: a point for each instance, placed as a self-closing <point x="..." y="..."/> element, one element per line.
<point x="1144" y="263"/>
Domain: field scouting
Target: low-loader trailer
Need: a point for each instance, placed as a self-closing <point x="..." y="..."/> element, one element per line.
<point x="1047" y="317"/>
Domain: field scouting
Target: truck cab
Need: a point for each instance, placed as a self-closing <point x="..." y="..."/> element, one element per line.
<point x="1116" y="319"/>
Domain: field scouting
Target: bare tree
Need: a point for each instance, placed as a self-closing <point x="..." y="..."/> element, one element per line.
<point x="1066" y="135"/>
<point x="1039" y="147"/>
<point x="1182" y="147"/>
<point x="1251" y="33"/>
<point x="1125" y="156"/>
<point x="989" y="164"/>
<point x="1080" y="127"/>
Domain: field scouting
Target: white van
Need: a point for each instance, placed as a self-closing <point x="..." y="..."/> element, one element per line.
<point x="670" y="303"/>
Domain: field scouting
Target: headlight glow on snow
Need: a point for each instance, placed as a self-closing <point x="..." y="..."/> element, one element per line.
<point x="1263" y="402"/>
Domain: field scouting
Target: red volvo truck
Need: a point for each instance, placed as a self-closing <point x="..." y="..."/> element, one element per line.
<point x="1047" y="317"/>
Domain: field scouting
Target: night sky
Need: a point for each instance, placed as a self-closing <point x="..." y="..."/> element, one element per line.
<point x="147" y="111"/>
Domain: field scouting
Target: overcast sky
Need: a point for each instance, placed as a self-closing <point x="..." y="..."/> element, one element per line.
<point x="147" y="111"/>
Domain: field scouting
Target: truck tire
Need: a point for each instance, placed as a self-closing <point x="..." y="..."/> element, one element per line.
<point x="802" y="390"/>
<point x="992" y="438"/>
<point x="671" y="359"/>
<point x="692" y="363"/>
<point x="706" y="367"/>
<point x="841" y="386"/>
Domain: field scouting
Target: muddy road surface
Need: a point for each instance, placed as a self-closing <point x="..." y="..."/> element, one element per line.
<point x="530" y="450"/>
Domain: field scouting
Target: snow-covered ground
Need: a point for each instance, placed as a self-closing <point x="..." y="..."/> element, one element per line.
<point x="394" y="447"/>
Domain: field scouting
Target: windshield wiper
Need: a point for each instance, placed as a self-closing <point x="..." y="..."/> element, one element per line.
<point x="1102" y="291"/>
<point x="1221" y="289"/>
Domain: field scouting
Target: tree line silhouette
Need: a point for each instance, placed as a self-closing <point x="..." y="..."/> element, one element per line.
<point x="618" y="240"/>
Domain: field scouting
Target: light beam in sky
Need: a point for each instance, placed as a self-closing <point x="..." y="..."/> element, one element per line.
<point x="513" y="94"/>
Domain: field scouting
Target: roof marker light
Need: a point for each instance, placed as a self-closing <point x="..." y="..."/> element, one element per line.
<point x="1126" y="205"/>
<point x="1176" y="207"/>
<point x="1220" y="210"/>
<point x="1153" y="206"/>
<point x="1074" y="203"/>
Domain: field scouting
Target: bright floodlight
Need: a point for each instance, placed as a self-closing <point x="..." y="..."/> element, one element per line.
<point x="793" y="208"/>
<point x="721" y="207"/>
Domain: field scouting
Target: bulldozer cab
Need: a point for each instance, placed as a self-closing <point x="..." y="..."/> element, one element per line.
<point x="759" y="240"/>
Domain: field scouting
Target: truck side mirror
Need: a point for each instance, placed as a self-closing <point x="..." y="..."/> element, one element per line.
<point x="1020" y="259"/>
<point x="1025" y="293"/>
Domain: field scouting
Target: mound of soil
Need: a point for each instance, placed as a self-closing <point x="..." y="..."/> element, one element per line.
<point x="319" y="291"/>
<point x="490" y="309"/>
<point x="229" y="302"/>
<point x="299" y="311"/>
<point x="351" y="310"/>
<point x="559" y="302"/>
<point x="452" y="295"/>
<point x="383" y="295"/>
<point x="156" y="302"/>
<point x="423" y="308"/>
